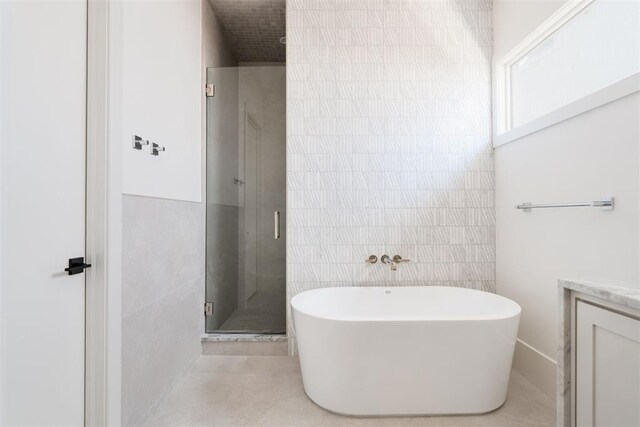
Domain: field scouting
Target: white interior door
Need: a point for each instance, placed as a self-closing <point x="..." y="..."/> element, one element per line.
<point x="42" y="211"/>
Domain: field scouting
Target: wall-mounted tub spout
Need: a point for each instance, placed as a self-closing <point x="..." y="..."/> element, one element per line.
<point x="397" y="259"/>
<point x="386" y="259"/>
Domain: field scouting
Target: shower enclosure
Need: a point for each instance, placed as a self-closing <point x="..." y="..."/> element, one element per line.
<point x="246" y="200"/>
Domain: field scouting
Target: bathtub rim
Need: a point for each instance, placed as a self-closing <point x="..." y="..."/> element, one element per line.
<point x="391" y="319"/>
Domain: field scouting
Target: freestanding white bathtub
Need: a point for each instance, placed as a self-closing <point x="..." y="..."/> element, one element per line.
<point x="373" y="351"/>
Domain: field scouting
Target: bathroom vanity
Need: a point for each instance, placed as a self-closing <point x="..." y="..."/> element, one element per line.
<point x="598" y="353"/>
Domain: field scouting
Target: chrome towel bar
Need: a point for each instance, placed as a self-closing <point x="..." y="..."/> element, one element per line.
<point x="606" y="204"/>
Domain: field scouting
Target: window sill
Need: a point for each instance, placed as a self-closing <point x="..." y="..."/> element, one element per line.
<point x="604" y="96"/>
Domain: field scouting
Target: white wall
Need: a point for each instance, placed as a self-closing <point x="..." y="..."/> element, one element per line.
<point x="159" y="83"/>
<point x="160" y="51"/>
<point x="389" y="143"/>
<point x="584" y="158"/>
<point x="161" y="95"/>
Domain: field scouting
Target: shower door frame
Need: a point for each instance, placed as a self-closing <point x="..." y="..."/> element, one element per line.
<point x="245" y="115"/>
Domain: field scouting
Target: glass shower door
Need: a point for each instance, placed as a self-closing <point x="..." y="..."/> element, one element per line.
<point x="246" y="175"/>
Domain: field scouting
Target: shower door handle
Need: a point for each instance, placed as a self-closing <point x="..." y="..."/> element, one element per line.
<point x="276" y="225"/>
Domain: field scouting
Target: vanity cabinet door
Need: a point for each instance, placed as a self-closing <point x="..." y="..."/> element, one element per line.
<point x="607" y="386"/>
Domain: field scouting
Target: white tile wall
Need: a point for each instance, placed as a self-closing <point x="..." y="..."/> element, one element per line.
<point x="389" y="143"/>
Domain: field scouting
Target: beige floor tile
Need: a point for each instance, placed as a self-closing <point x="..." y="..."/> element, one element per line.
<point x="268" y="391"/>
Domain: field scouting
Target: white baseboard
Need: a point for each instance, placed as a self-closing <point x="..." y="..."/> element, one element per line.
<point x="536" y="367"/>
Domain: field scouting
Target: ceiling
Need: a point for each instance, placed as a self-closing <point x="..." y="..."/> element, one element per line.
<point x="253" y="28"/>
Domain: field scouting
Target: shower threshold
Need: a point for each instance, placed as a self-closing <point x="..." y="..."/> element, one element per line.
<point x="242" y="336"/>
<point x="245" y="345"/>
<point x="248" y="332"/>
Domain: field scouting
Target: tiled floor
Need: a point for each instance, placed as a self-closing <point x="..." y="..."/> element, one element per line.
<point x="267" y="391"/>
<point x="265" y="313"/>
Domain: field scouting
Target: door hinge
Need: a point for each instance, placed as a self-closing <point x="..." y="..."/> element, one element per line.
<point x="208" y="309"/>
<point x="210" y="90"/>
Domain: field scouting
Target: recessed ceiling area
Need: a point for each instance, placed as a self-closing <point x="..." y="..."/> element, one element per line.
<point x="253" y="28"/>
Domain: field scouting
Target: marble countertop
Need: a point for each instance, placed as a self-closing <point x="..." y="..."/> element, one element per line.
<point x="244" y="338"/>
<point x="624" y="293"/>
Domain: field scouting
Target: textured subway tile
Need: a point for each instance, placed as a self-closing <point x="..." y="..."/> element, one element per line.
<point x="359" y="253"/>
<point x="485" y="216"/>
<point x="479" y="198"/>
<point x="480" y="235"/>
<point x="480" y="271"/>
<point x="480" y="253"/>
<point x="479" y="180"/>
<point x="389" y="143"/>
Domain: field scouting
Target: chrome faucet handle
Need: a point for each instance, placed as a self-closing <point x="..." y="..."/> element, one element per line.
<point x="372" y="259"/>
<point x="387" y="260"/>
<point x="398" y="259"/>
